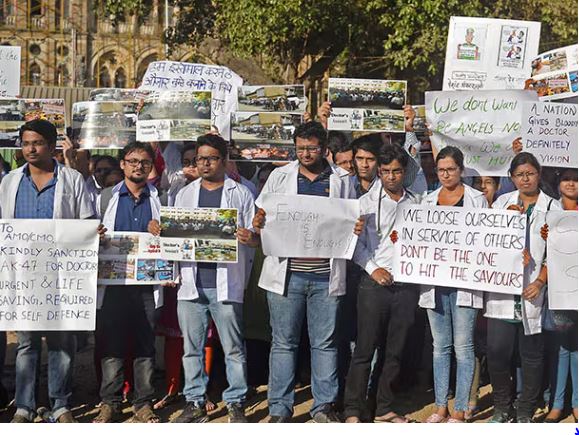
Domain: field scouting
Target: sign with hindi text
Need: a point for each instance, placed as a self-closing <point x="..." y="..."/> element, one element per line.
<point x="9" y="71"/>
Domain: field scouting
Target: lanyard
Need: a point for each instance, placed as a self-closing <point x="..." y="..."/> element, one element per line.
<point x="378" y="229"/>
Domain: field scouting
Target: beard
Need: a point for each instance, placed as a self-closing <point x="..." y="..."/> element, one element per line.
<point x="138" y="179"/>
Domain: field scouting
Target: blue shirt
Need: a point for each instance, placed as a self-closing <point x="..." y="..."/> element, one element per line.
<point x="32" y="203"/>
<point x="133" y="214"/>
<point x="320" y="186"/>
<point x="207" y="272"/>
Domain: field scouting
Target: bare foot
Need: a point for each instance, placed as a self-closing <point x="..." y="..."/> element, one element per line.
<point x="209" y="406"/>
<point x="554" y="415"/>
<point x="353" y="419"/>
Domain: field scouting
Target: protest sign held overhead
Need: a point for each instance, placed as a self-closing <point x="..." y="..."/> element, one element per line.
<point x="48" y="274"/>
<point x="117" y="94"/>
<point x="554" y="74"/>
<point x="489" y="53"/>
<point x="482" y="124"/>
<point x="220" y="81"/>
<point x="549" y="132"/>
<point x="174" y="115"/>
<point x="263" y="136"/>
<point x="201" y="235"/>
<point x="9" y="71"/>
<point x="368" y="105"/>
<point x="277" y="98"/>
<point x="476" y="249"/>
<point x="562" y="263"/>
<point x="302" y="226"/>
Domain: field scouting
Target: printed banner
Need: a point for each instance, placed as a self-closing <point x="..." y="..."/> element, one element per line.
<point x="263" y="136"/>
<point x="48" y="274"/>
<point x="286" y="98"/>
<point x="489" y="54"/>
<point x="9" y="71"/>
<point x="129" y="258"/>
<point x="303" y="226"/>
<point x="117" y="94"/>
<point x="104" y="124"/>
<point x="16" y="112"/>
<point x="221" y="81"/>
<point x="477" y="249"/>
<point x="554" y="73"/>
<point x="174" y="115"/>
<point x="482" y="124"/>
<point x="562" y="262"/>
<point x="369" y="105"/>
<point x="550" y="133"/>
<point x="200" y="234"/>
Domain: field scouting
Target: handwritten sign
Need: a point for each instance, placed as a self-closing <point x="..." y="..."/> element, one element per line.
<point x="482" y="124"/>
<point x="9" y="71"/>
<point x="488" y="54"/>
<point x="220" y="80"/>
<point x="48" y="272"/>
<point x="562" y="263"/>
<point x="477" y="249"/>
<point x="550" y="133"/>
<point x="303" y="226"/>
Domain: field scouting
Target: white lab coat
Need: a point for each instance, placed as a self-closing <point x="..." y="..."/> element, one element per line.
<point x="231" y="277"/>
<point x="108" y="220"/>
<point x="502" y="306"/>
<point x="71" y="199"/>
<point x="465" y="298"/>
<point x="285" y="180"/>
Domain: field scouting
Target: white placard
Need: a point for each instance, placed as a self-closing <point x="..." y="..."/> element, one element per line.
<point x="304" y="226"/>
<point x="562" y="260"/>
<point x="488" y="53"/>
<point x="48" y="274"/>
<point x="482" y="124"/>
<point x="477" y="249"/>
<point x="9" y="71"/>
<point x="550" y="133"/>
<point x="220" y="80"/>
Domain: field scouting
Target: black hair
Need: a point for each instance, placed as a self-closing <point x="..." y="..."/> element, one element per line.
<point x="312" y="129"/>
<point x="189" y="146"/>
<point x="44" y="128"/>
<point x="367" y="143"/>
<point x="524" y="158"/>
<point x="113" y="162"/>
<point x="454" y="153"/>
<point x="134" y="146"/>
<point x="338" y="143"/>
<point x="566" y="174"/>
<point x="389" y="153"/>
<point x="213" y="141"/>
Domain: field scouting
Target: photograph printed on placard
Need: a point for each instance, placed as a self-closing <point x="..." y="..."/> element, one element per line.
<point x="119" y="245"/>
<point x="367" y="94"/>
<point x="383" y="120"/>
<point x="199" y="223"/>
<point x="114" y="94"/>
<point x="216" y="250"/>
<point x="104" y="124"/>
<point x="116" y="269"/>
<point x="469" y="41"/>
<point x="552" y="85"/>
<point x="573" y="80"/>
<point x="513" y="46"/>
<point x="288" y="98"/>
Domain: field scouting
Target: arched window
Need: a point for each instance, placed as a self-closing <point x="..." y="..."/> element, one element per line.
<point x="34" y="74"/>
<point x="104" y="78"/>
<point x="143" y="66"/>
<point x="62" y="76"/>
<point x="120" y="78"/>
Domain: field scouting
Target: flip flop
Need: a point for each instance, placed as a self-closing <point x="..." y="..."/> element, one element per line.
<point x="393" y="418"/>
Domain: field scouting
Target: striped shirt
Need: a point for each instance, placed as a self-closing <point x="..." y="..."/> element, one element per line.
<point x="320" y="186"/>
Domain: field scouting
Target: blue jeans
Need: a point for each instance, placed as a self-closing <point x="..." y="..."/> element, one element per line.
<point x="452" y="325"/>
<point x="61" y="348"/>
<point x="194" y="321"/>
<point x="566" y="361"/>
<point x="307" y="295"/>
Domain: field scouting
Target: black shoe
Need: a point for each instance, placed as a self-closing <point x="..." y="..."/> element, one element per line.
<point x="4" y="399"/>
<point x="278" y="419"/>
<point x="326" y="415"/>
<point x="501" y="417"/>
<point x="236" y="413"/>
<point x="192" y="413"/>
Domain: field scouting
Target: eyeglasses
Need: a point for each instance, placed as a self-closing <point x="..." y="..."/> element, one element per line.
<point x="135" y="163"/>
<point x="34" y="143"/>
<point x="311" y="150"/>
<point x="388" y="172"/>
<point x="523" y="175"/>
<point x="446" y="171"/>
<point x="187" y="163"/>
<point x="201" y="160"/>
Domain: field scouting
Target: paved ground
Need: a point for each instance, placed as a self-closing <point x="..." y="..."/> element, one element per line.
<point x="416" y="405"/>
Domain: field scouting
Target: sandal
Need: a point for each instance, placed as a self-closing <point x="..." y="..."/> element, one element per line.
<point x="435" y="418"/>
<point x="145" y="414"/>
<point x="471" y="412"/>
<point x="166" y="401"/>
<point x="107" y="414"/>
<point x="391" y="417"/>
<point x="455" y="420"/>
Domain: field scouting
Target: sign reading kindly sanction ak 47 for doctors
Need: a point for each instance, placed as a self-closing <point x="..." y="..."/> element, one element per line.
<point x="48" y="274"/>
<point x="477" y="249"/>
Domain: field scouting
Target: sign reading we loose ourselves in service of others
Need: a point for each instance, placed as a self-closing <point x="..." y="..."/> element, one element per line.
<point x="477" y="249"/>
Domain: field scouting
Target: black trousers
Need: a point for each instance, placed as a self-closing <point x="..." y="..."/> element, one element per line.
<point x="502" y="338"/>
<point x="128" y="312"/>
<point x="385" y="315"/>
